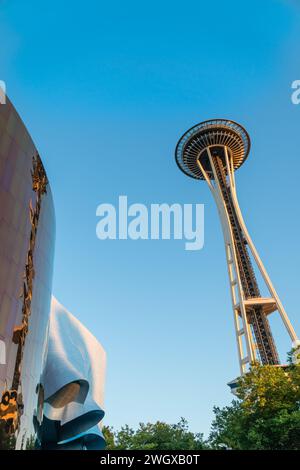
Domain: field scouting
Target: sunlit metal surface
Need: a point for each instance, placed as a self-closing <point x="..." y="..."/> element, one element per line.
<point x="27" y="232"/>
<point x="73" y="384"/>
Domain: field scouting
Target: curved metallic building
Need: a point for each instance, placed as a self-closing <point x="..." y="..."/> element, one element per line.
<point x="27" y="232"/>
<point x="73" y="385"/>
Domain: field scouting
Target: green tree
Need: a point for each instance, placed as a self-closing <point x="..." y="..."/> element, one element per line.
<point x="109" y="437"/>
<point x="157" y="436"/>
<point x="266" y="414"/>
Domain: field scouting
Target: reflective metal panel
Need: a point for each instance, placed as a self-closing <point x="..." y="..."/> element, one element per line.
<point x="27" y="232"/>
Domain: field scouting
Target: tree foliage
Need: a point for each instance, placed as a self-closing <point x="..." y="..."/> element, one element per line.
<point x="266" y="414"/>
<point x="157" y="436"/>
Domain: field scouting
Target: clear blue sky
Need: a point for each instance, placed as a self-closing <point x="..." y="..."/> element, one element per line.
<point x="106" y="89"/>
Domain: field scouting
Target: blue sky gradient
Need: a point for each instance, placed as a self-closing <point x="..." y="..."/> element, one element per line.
<point x="106" y="89"/>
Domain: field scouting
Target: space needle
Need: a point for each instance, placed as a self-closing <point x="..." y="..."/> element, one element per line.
<point x="212" y="151"/>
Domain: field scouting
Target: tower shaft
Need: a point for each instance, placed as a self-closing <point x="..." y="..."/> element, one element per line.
<point x="256" y="318"/>
<point x="254" y="337"/>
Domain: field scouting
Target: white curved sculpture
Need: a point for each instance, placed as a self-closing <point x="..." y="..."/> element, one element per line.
<point x="72" y="385"/>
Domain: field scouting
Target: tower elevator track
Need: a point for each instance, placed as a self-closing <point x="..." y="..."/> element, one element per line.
<point x="256" y="317"/>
